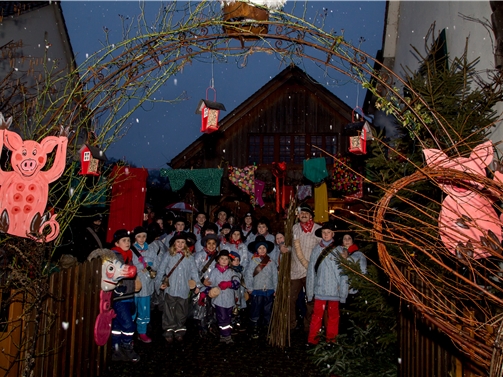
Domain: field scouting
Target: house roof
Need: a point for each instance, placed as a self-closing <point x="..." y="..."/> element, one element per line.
<point x="96" y="152"/>
<point x="15" y="8"/>
<point x="233" y="117"/>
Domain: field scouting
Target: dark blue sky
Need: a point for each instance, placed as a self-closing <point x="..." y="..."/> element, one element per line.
<point x="159" y="132"/>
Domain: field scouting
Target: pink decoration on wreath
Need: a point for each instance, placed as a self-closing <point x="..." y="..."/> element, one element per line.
<point x="24" y="190"/>
<point x="244" y="179"/>
<point x="467" y="220"/>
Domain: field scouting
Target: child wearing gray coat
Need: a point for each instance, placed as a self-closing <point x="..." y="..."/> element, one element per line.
<point x="261" y="279"/>
<point x="227" y="282"/>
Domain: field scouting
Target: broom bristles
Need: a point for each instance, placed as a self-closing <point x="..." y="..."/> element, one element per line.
<point x="279" y="327"/>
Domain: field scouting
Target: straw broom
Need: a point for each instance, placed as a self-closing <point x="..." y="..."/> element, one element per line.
<point x="279" y="327"/>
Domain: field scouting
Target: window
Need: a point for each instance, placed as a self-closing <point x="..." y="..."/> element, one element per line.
<point x="292" y="149"/>
<point x="268" y="150"/>
<point x="299" y="149"/>
<point x="254" y="149"/>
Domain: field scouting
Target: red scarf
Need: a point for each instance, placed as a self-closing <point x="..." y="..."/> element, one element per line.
<point x="208" y="253"/>
<point x="237" y="243"/>
<point x="352" y="249"/>
<point x="126" y="255"/>
<point x="307" y="227"/>
<point x="221" y="268"/>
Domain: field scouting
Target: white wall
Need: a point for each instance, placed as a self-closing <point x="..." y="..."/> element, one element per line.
<point x="408" y="23"/>
<point x="40" y="43"/>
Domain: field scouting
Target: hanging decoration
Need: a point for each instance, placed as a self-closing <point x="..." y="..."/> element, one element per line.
<point x="321" y="203"/>
<point x="259" y="189"/>
<point x="209" y="111"/>
<point x="244" y="178"/>
<point x="315" y="169"/>
<point x="25" y="189"/>
<point x="90" y="158"/>
<point x="467" y="221"/>
<point x="206" y="180"/>
<point x="345" y="180"/>
<point x="304" y="191"/>
<point x="279" y="171"/>
<point x="358" y="142"/>
<point x="128" y="198"/>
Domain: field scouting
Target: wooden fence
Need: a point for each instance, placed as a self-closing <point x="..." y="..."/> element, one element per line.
<point x="66" y="344"/>
<point x="425" y="351"/>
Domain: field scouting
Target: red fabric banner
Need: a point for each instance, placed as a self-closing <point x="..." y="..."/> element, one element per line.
<point x="128" y="199"/>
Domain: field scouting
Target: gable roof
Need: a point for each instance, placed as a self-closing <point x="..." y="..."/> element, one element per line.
<point x="234" y="116"/>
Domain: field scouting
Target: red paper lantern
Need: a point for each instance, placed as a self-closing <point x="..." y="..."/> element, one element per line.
<point x="90" y="158"/>
<point x="358" y="143"/>
<point x="209" y="111"/>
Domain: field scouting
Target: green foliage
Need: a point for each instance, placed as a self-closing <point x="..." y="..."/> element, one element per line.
<point x="370" y="347"/>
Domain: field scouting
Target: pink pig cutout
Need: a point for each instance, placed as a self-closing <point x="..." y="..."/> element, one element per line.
<point x="468" y="224"/>
<point x="24" y="190"/>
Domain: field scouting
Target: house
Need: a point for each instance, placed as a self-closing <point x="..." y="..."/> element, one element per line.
<point x="34" y="42"/>
<point x="90" y="158"/>
<point x="286" y="120"/>
<point x="407" y="24"/>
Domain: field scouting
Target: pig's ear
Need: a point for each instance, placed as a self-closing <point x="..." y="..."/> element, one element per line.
<point x="434" y="157"/>
<point x="483" y="154"/>
<point x="12" y="140"/>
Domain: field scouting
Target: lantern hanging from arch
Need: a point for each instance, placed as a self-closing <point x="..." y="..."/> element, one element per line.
<point x="359" y="133"/>
<point x="209" y="111"/>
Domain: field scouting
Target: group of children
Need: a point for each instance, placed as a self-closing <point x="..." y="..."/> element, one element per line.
<point x="213" y="275"/>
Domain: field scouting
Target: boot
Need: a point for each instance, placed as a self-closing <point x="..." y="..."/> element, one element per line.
<point x="129" y="353"/>
<point x="255" y="333"/>
<point x="117" y="354"/>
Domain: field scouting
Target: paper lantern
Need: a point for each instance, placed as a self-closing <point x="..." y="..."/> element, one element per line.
<point x="209" y="111"/>
<point x="90" y="158"/>
<point x="358" y="142"/>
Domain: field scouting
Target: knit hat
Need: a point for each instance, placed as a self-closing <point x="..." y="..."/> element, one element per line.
<point x="233" y="255"/>
<point x="226" y="226"/>
<point x="120" y="234"/>
<point x="260" y="240"/>
<point x="97" y="217"/>
<point x="327" y="225"/>
<point x="138" y="230"/>
<point x="191" y="239"/>
<point x="210" y="237"/>
<point x="222" y="209"/>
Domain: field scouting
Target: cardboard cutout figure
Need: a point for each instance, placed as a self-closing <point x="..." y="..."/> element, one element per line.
<point x="24" y="190"/>
<point x="468" y="224"/>
<point x="112" y="271"/>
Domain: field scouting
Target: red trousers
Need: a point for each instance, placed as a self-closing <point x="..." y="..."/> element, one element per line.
<point x="317" y="319"/>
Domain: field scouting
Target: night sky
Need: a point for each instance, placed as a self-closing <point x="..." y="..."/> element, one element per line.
<point x="159" y="132"/>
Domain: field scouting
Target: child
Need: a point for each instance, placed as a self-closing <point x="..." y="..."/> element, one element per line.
<point x="224" y="233"/>
<point x="224" y="278"/>
<point x="262" y="230"/>
<point x="123" y="326"/>
<point x="238" y="314"/>
<point x="261" y="279"/>
<point x="221" y="218"/>
<point x="326" y="284"/>
<point x="198" y="226"/>
<point x="146" y="265"/>
<point x="205" y="263"/>
<point x="180" y="224"/>
<point x="248" y="226"/>
<point x="175" y="271"/>
<point x="208" y="228"/>
<point x="236" y="243"/>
